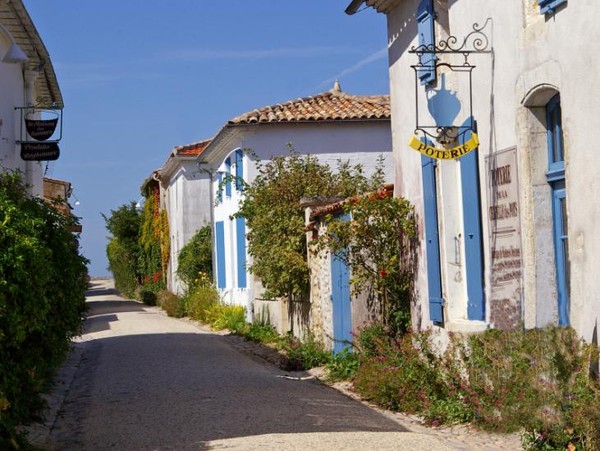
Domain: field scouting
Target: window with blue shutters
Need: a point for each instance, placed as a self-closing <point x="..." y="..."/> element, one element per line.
<point x="556" y="179"/>
<point x="432" y="240"/>
<point x="239" y="170"/>
<point x="426" y="31"/>
<point x="473" y="239"/>
<point x="220" y="248"/>
<point x="549" y="6"/>
<point x="240" y="230"/>
<point x="228" y="177"/>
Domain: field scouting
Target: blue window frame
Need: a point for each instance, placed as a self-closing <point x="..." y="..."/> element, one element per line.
<point x="432" y="240"/>
<point x="426" y="31"/>
<point x="220" y="248"/>
<point x="240" y="230"/>
<point x="228" y="175"/>
<point x="556" y="178"/>
<point x="239" y="170"/>
<point x="549" y="6"/>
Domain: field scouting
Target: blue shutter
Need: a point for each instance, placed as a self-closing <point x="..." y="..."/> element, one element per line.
<point x="559" y="212"/>
<point x="219" y="187"/>
<point x="239" y="170"/>
<point x="432" y="241"/>
<point x="549" y="6"/>
<point x="240" y="230"/>
<point x="220" y="238"/>
<point x="228" y="175"/>
<point x="426" y="31"/>
<point x="469" y="173"/>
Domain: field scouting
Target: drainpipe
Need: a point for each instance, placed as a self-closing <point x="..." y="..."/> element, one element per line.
<point x="31" y="167"/>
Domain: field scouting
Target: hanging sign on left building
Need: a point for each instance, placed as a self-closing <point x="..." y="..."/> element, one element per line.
<point x="41" y="151"/>
<point x="40" y="129"/>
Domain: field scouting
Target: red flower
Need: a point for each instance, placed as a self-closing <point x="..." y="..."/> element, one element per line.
<point x="383" y="272"/>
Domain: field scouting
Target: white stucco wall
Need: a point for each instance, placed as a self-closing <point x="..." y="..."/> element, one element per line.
<point x="188" y="204"/>
<point x="359" y="142"/>
<point x="14" y="95"/>
<point x="529" y="50"/>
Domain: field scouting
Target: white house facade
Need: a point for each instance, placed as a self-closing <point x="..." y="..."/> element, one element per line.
<point x="185" y="194"/>
<point x="27" y="79"/>
<point x="331" y="126"/>
<point x="509" y="226"/>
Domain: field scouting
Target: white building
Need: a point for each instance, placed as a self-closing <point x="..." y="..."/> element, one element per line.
<point x="27" y="79"/>
<point x="331" y="126"/>
<point x="509" y="230"/>
<point x="185" y="193"/>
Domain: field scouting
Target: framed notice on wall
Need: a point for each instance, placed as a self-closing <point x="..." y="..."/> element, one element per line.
<point x="504" y="216"/>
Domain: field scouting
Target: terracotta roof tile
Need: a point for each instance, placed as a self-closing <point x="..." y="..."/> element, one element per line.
<point x="193" y="149"/>
<point x="328" y="106"/>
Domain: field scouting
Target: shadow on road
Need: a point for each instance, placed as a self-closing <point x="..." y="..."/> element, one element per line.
<point x="93" y="292"/>
<point x="182" y="390"/>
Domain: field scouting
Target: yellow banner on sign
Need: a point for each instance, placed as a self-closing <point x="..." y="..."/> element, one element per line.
<point x="445" y="154"/>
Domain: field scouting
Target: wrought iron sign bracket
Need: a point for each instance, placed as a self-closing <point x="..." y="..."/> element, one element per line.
<point x="432" y="57"/>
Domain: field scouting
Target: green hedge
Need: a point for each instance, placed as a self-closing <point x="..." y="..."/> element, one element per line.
<point x="42" y="299"/>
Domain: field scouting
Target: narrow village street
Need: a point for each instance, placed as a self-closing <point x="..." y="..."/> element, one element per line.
<point x="139" y="380"/>
<point x="142" y="380"/>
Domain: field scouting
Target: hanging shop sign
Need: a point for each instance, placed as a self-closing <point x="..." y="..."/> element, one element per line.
<point x="39" y="151"/>
<point x="447" y="58"/>
<point x="442" y="153"/>
<point x="41" y="129"/>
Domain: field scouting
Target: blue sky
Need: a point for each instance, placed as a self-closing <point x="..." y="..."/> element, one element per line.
<point x="140" y="77"/>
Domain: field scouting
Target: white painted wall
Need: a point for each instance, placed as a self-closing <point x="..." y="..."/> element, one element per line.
<point x="188" y="204"/>
<point x="14" y="95"/>
<point x="529" y="50"/>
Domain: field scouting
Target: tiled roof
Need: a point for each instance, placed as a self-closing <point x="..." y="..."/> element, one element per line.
<point x="328" y="106"/>
<point x="193" y="149"/>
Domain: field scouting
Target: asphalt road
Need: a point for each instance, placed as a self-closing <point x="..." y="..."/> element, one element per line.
<point x="144" y="381"/>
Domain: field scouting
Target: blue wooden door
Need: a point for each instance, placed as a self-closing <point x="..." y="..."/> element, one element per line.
<point x="340" y="298"/>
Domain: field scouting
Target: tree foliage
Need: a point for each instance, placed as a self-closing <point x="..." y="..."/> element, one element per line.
<point x="196" y="257"/>
<point x="43" y="279"/>
<point x="376" y="245"/>
<point x="275" y="218"/>
<point x="123" y="247"/>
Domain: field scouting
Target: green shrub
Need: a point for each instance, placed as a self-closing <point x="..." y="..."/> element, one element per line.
<point x="171" y="304"/>
<point x="147" y="297"/>
<point x="537" y="381"/>
<point x="261" y="333"/>
<point x="123" y="247"/>
<point x="222" y="316"/>
<point x="196" y="257"/>
<point x="303" y="355"/>
<point x="399" y="374"/>
<point x="343" y="365"/>
<point x="199" y="301"/>
<point x="42" y="299"/>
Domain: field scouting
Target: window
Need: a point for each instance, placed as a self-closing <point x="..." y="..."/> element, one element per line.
<point x="549" y="6"/>
<point x="426" y="31"/>
<point x="556" y="179"/>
